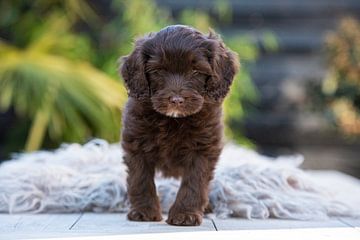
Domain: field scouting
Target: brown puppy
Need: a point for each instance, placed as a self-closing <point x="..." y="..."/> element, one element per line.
<point x="176" y="80"/>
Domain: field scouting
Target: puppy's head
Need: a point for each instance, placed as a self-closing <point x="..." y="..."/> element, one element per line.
<point x="178" y="69"/>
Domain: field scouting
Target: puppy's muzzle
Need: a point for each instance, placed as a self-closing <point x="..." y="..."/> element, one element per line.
<point x="176" y="101"/>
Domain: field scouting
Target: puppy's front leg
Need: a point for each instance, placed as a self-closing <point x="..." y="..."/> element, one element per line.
<point x="145" y="204"/>
<point x="192" y="197"/>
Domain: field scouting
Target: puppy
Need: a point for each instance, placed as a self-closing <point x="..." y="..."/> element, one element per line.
<point x="176" y="79"/>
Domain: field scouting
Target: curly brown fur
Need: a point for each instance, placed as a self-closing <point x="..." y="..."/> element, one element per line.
<point x="176" y="81"/>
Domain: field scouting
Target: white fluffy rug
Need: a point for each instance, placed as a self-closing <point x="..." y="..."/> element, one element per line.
<point x="93" y="178"/>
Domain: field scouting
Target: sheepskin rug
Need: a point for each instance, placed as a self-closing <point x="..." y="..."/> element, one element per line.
<point x="92" y="177"/>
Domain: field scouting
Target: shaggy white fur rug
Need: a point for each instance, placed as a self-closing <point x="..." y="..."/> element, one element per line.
<point x="92" y="177"/>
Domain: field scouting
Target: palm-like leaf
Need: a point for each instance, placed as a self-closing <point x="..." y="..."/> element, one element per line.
<point x="68" y="98"/>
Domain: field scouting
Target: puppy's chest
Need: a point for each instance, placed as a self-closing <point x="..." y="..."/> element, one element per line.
<point x="175" y="140"/>
<point x="174" y="137"/>
<point x="175" y="133"/>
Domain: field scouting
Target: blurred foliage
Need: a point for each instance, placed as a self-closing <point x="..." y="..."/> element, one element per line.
<point x="243" y="94"/>
<point x="341" y="87"/>
<point x="59" y="64"/>
<point x="46" y="74"/>
<point x="50" y="81"/>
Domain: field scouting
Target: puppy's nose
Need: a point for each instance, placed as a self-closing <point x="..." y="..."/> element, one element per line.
<point x="177" y="100"/>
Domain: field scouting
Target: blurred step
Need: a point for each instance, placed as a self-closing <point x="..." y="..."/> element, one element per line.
<point x="274" y="8"/>
<point x="289" y="40"/>
<point x="292" y="129"/>
<point x="274" y="69"/>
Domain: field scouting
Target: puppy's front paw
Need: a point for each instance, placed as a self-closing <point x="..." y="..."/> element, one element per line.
<point x="184" y="219"/>
<point x="141" y="215"/>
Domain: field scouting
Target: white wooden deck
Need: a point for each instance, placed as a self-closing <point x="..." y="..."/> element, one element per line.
<point x="115" y="226"/>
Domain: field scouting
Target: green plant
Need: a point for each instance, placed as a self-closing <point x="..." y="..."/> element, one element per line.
<point x="116" y="37"/>
<point x="341" y="87"/>
<point x="62" y="94"/>
<point x="64" y="80"/>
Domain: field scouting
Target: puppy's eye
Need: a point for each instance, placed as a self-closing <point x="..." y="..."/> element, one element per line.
<point x="195" y="72"/>
<point x="156" y="72"/>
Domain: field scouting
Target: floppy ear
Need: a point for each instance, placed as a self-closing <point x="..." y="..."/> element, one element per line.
<point x="224" y="64"/>
<point x="132" y="70"/>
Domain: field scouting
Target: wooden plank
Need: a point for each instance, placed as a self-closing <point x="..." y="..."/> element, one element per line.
<point x="274" y="234"/>
<point x="8" y="223"/>
<point x="239" y="224"/>
<point x="43" y="235"/>
<point x="22" y="223"/>
<point x="117" y="223"/>
<point x="351" y="222"/>
<point x="115" y="226"/>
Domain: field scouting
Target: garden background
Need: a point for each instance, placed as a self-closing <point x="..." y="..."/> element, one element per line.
<point x="298" y="90"/>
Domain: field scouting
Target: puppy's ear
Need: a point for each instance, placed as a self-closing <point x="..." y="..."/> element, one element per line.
<point x="224" y="64"/>
<point x="132" y="70"/>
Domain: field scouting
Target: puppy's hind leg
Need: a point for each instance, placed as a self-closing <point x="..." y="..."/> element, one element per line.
<point x="144" y="202"/>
